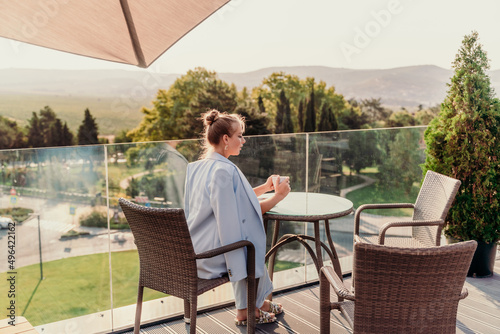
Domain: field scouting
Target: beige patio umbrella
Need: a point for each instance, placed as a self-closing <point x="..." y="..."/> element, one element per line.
<point x="126" y="31"/>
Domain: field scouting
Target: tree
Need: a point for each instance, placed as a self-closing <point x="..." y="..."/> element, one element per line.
<point x="374" y="110"/>
<point x="47" y="130"/>
<point x="400" y="119"/>
<point x="255" y="118"/>
<point x="10" y="135"/>
<point x="464" y="142"/>
<point x="47" y="126"/>
<point x="123" y="137"/>
<point x="327" y="120"/>
<point x="280" y="112"/>
<point x="35" y="134"/>
<point x="310" y="125"/>
<point x="400" y="165"/>
<point x="216" y="94"/>
<point x="66" y="136"/>
<point x="287" y="119"/>
<point x="88" y="130"/>
<point x="283" y="120"/>
<point x="301" y="116"/>
<point x="260" y="103"/>
<point x="167" y="118"/>
<point x="363" y="151"/>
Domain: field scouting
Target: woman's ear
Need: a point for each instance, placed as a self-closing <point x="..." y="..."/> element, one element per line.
<point x="225" y="139"/>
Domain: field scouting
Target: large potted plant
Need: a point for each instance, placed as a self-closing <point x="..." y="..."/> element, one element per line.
<point x="463" y="142"/>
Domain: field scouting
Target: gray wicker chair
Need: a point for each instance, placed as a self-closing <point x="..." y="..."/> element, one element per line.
<point x="400" y="290"/>
<point x="429" y="213"/>
<point x="168" y="261"/>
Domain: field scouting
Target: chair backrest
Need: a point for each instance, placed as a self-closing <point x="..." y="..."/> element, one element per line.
<point x="408" y="290"/>
<point x="166" y="252"/>
<point x="433" y="202"/>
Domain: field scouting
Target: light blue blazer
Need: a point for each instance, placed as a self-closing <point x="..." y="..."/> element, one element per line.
<point x="221" y="208"/>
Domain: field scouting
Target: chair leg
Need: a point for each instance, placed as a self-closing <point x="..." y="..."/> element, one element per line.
<point x="324" y="305"/>
<point x="194" y="305"/>
<point x="252" y="284"/>
<point x="187" y="311"/>
<point x="138" y="310"/>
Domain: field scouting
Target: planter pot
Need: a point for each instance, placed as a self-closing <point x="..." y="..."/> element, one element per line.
<point x="483" y="261"/>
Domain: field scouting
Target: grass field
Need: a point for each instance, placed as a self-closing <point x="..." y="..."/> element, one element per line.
<point x="78" y="286"/>
<point x="112" y="114"/>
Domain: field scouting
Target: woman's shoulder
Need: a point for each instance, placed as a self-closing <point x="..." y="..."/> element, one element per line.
<point x="214" y="163"/>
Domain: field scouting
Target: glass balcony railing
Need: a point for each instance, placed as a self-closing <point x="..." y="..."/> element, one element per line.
<point x="74" y="260"/>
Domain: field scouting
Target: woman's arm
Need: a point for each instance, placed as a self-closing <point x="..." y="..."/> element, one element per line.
<point x="281" y="192"/>
<point x="266" y="187"/>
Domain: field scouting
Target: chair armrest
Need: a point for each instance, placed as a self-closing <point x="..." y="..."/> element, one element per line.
<point x="363" y="207"/>
<point x="336" y="283"/>
<point x="226" y="248"/>
<point x="464" y="293"/>
<point x="410" y="223"/>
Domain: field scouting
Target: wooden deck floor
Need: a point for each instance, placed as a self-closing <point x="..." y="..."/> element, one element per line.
<point x="478" y="313"/>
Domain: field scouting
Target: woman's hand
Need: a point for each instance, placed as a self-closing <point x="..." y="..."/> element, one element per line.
<point x="283" y="189"/>
<point x="269" y="183"/>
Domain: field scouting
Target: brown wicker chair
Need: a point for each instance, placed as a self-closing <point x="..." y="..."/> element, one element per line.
<point x="168" y="261"/>
<point x="429" y="213"/>
<point x="400" y="290"/>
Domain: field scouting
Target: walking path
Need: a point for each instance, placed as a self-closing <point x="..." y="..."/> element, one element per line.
<point x="126" y="181"/>
<point x="368" y="181"/>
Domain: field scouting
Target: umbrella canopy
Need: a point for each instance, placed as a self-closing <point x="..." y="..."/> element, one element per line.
<point x="126" y="31"/>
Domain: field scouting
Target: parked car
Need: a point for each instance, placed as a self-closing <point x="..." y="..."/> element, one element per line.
<point x="4" y="222"/>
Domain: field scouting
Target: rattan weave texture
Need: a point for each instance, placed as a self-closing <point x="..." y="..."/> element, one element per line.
<point x="168" y="261"/>
<point x="401" y="290"/>
<point x="429" y="214"/>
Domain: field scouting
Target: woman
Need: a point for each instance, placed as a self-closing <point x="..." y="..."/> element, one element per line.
<point x="221" y="208"/>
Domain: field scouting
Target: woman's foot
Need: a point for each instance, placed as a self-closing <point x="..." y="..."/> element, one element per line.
<point x="272" y="307"/>
<point x="261" y="317"/>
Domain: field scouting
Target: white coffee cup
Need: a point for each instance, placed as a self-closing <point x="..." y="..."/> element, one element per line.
<point x="277" y="181"/>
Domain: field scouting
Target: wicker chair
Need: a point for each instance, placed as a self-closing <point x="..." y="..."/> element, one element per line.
<point x="168" y="261"/>
<point x="400" y="290"/>
<point x="429" y="213"/>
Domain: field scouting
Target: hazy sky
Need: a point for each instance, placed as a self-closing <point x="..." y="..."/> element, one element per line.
<point x="247" y="35"/>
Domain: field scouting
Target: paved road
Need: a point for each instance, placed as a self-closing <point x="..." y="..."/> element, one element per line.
<point x="55" y="220"/>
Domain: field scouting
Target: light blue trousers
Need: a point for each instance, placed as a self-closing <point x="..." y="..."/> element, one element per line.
<point x="264" y="289"/>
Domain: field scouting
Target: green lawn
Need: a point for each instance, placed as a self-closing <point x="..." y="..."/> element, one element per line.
<point x="376" y="194"/>
<point x="78" y="286"/>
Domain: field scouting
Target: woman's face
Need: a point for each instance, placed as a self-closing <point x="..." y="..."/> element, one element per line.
<point x="236" y="141"/>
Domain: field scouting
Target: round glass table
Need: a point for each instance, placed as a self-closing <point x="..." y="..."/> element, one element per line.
<point x="307" y="207"/>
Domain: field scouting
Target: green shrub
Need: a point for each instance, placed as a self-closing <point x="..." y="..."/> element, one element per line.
<point x="100" y="219"/>
<point x="17" y="214"/>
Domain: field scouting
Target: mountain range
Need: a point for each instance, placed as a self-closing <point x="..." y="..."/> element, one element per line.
<point x="113" y="92"/>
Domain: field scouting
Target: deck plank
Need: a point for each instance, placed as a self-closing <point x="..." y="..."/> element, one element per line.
<point x="478" y="313"/>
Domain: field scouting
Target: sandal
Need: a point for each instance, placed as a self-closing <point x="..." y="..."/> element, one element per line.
<point x="264" y="318"/>
<point x="275" y="307"/>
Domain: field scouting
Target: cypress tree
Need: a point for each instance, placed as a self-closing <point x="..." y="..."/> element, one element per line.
<point x="260" y="103"/>
<point x="280" y="113"/>
<point x="310" y="125"/>
<point x="67" y="136"/>
<point x="301" y="116"/>
<point x="88" y="130"/>
<point x="35" y="135"/>
<point x="463" y="142"/>
<point x="287" y="120"/>
<point x="333" y="120"/>
<point x="324" y="119"/>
